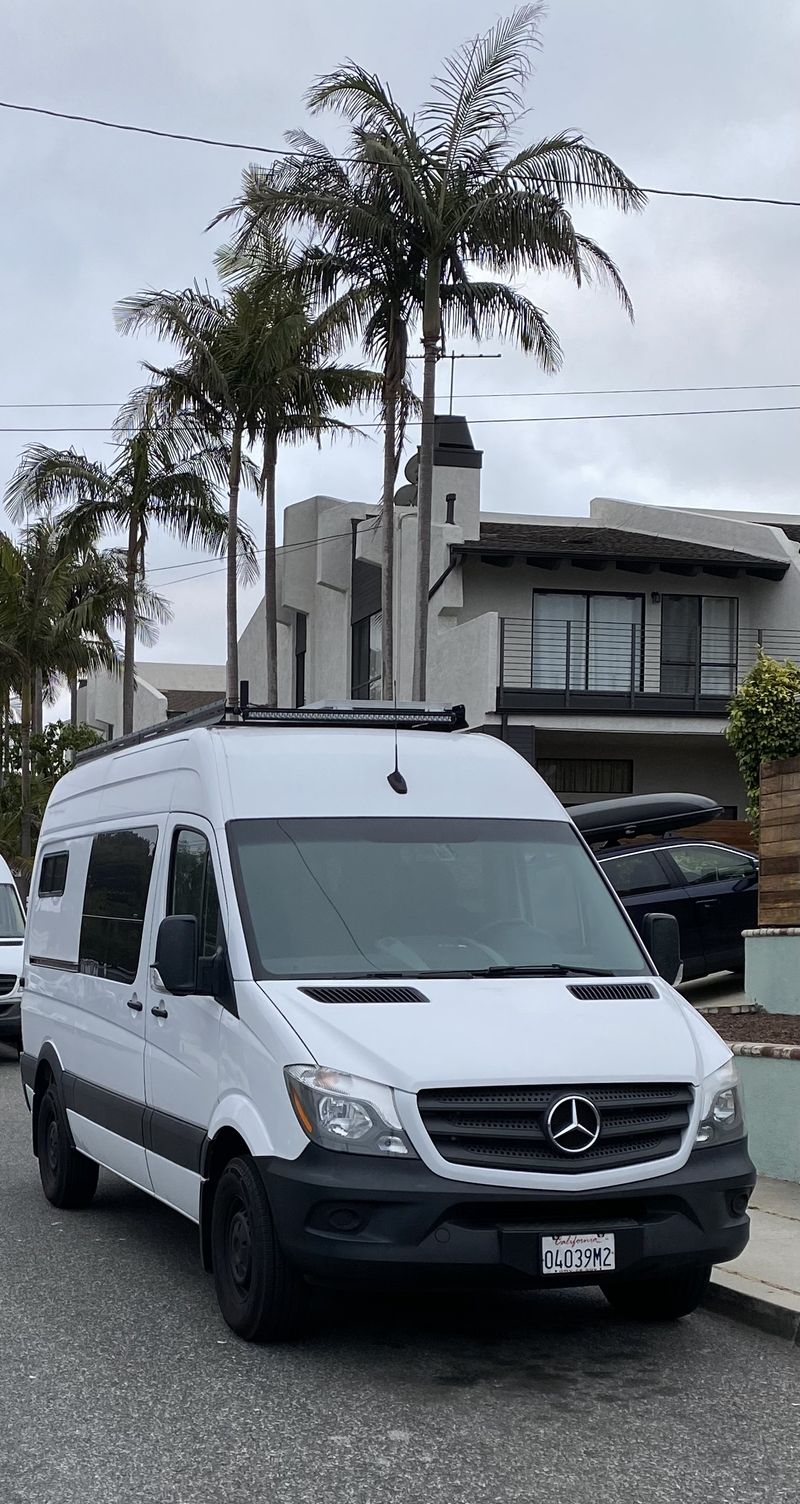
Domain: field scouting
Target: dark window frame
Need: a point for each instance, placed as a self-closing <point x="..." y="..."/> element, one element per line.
<point x="697" y="664"/>
<point x="361" y="681"/>
<point x="111" y="921"/>
<point x="611" y="762"/>
<point x="53" y="891"/>
<point x="177" y="832"/>
<point x="589" y="595"/>
<point x="300" y="648"/>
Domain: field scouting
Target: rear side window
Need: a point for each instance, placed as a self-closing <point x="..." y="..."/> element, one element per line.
<point x="193" y="888"/>
<point x="638" y="872"/>
<point x="53" y="874"/>
<point x="117" y="884"/>
<point x="711" y="864"/>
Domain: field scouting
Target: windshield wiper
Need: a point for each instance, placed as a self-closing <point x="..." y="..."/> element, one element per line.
<point x="555" y="969"/>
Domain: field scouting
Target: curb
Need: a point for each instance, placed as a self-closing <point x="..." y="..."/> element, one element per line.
<point x="753" y="1310"/>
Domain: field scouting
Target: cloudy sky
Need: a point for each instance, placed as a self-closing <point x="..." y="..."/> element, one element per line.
<point x="686" y="95"/>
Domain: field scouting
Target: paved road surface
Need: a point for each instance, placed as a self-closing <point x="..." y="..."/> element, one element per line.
<point x="119" y="1382"/>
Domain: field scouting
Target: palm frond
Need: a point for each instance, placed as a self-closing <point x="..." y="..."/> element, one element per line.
<point x="483" y="308"/>
<point x="479" y="93"/>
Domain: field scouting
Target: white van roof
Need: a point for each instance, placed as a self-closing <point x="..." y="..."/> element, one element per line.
<point x="254" y="771"/>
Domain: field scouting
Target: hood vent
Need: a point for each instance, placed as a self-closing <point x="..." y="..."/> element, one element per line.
<point x="364" y="994"/>
<point x="612" y="991"/>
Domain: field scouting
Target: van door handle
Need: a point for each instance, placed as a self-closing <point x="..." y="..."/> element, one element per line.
<point x="159" y="1012"/>
<point x="708" y="903"/>
<point x="134" y="1004"/>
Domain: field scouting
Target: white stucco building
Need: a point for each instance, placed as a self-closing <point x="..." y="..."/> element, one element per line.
<point x="162" y="690"/>
<point x="605" y="647"/>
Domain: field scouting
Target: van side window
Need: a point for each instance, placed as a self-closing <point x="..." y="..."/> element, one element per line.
<point x="193" y="888"/>
<point x="53" y="874"/>
<point x="114" y="904"/>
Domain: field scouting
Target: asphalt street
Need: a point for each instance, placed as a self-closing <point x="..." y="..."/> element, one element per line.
<point x="119" y="1381"/>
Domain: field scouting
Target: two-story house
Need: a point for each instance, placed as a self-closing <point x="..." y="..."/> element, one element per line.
<point x="605" y="648"/>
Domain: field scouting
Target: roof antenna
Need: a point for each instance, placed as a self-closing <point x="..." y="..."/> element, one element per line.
<point x="395" y="780"/>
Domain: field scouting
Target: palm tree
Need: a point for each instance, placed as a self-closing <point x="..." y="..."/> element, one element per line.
<point x="369" y="272"/>
<point x="156" y="478"/>
<point x="259" y="364"/>
<point x="464" y="195"/>
<point x="55" y="602"/>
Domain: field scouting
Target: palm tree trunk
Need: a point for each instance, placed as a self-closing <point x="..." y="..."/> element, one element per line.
<point x="73" y="701"/>
<point x="234" y="481"/>
<point x="25" y="767"/>
<point x="387" y="560"/>
<point x="431" y="330"/>
<point x="37" y="708"/>
<point x="129" y="651"/>
<point x="270" y="569"/>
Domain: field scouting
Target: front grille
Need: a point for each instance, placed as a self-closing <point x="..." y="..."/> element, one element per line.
<point x="7" y="984"/>
<point x="365" y="994"/>
<point x="504" y="1127"/>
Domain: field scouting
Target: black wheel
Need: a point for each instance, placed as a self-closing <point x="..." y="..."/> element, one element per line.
<point x="664" y="1299"/>
<point x="68" y="1178"/>
<point x="260" y="1295"/>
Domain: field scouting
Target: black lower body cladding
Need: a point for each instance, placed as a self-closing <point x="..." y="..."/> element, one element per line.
<point x="353" y="1218"/>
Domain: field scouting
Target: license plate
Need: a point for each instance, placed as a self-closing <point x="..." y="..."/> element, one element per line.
<point x="578" y="1253"/>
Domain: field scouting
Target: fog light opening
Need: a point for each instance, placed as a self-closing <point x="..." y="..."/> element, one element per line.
<point x="738" y="1203"/>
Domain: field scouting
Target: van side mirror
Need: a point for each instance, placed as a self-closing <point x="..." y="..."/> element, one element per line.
<point x="662" y="939"/>
<point x="176" y="953"/>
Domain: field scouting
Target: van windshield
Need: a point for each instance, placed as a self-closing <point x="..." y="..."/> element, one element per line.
<point x="419" y="897"/>
<point x="12" y="919"/>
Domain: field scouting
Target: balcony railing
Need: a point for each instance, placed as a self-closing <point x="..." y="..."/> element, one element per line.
<point x="561" y="665"/>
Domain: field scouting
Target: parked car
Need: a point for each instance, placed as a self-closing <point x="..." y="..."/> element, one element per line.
<point x="362" y="1037"/>
<point x="711" y="889"/>
<point x="12" y="930"/>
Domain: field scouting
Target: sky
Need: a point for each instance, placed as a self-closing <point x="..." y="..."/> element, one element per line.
<point x="689" y="96"/>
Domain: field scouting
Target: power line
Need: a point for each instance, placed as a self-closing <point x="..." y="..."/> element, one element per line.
<point x="601" y="391"/>
<point x="275" y="151"/>
<point x="691" y="412"/>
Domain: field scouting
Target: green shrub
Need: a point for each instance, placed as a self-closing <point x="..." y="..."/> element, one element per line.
<point x="764" y="722"/>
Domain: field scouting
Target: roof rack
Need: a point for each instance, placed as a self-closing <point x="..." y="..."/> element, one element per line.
<point x="406" y="716"/>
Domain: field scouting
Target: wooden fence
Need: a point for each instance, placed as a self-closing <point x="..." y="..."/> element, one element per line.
<point x="779" y="844"/>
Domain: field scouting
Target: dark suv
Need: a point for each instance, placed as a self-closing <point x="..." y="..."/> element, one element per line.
<point x="711" y="889"/>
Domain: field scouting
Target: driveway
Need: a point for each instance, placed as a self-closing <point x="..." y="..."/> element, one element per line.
<point x="121" y="1383"/>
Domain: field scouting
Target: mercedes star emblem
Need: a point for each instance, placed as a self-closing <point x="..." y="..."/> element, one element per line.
<point x="573" y="1124"/>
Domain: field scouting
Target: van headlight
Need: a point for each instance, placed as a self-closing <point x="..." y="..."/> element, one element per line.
<point x="345" y="1113"/>
<point x="722" y="1115"/>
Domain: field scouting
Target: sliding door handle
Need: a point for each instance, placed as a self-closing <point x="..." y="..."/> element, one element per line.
<point x="134" y="1004"/>
<point x="159" y="1013"/>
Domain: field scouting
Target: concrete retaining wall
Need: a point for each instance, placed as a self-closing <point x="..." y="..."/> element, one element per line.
<point x="772" y="969"/>
<point x="770" y="1076"/>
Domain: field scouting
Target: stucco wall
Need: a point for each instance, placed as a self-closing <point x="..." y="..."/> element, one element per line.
<point x="463" y="666"/>
<point x="686" y="764"/>
<point x="771" y="1090"/>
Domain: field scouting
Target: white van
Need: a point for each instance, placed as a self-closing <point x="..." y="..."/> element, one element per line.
<point x="354" y="996"/>
<point x="12" y="930"/>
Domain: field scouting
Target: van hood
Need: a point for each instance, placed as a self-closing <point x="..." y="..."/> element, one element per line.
<point x="475" y="1031"/>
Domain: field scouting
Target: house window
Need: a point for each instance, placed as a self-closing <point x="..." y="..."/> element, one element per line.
<point x="698" y="644"/>
<point x="300" y="639"/>
<point x="577" y="778"/>
<point x="114" y="904"/>
<point x="586" y="642"/>
<point x="367" y="665"/>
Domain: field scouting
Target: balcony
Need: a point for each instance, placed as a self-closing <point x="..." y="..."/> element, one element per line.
<point x="602" y="667"/>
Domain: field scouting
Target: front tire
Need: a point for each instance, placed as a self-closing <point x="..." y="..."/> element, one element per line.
<point x="68" y="1178"/>
<point x="260" y="1294"/>
<point x="665" y="1299"/>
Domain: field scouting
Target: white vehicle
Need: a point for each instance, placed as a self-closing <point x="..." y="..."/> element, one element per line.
<point x="355" y="997"/>
<point x="12" y="930"/>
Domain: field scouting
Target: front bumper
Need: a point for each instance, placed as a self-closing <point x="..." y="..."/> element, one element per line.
<point x="10" y="1021"/>
<point x="347" y="1217"/>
